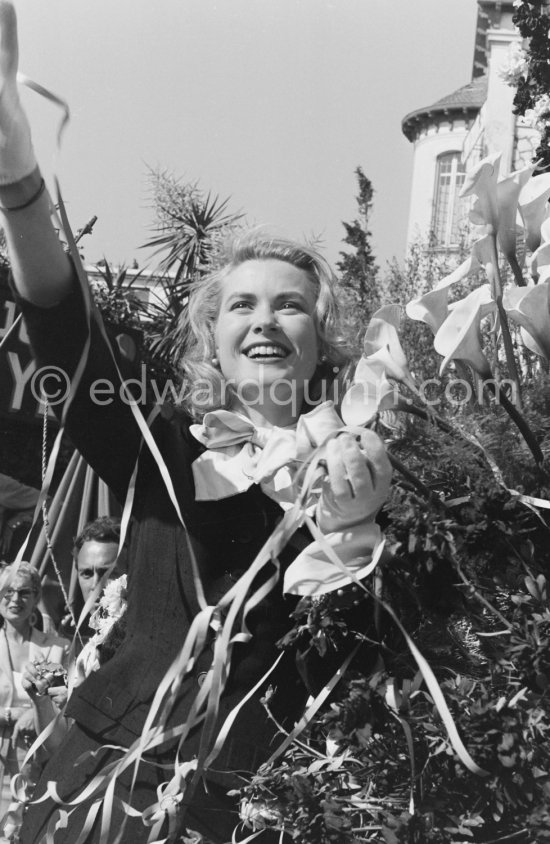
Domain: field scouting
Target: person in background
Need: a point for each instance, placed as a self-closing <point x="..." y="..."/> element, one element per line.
<point x="20" y="643"/>
<point x="17" y="503"/>
<point x="47" y="697"/>
<point x="95" y="551"/>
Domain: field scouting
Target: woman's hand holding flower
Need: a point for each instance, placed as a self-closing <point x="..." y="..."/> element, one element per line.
<point x="357" y="482"/>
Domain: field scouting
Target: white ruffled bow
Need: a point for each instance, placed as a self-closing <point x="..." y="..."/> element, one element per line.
<point x="240" y="454"/>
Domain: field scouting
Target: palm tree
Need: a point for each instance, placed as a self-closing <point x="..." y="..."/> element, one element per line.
<point x="189" y="226"/>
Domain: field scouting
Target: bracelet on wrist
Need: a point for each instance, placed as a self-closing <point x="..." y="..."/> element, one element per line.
<point x="32" y="199"/>
<point x="8" y="716"/>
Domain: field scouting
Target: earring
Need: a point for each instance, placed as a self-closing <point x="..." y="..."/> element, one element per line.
<point x="215" y="362"/>
<point x="323" y="358"/>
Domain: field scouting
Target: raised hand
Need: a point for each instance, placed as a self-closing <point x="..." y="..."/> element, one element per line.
<point x="16" y="153"/>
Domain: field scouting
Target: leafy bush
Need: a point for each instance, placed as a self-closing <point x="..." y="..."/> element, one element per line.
<point x="438" y="731"/>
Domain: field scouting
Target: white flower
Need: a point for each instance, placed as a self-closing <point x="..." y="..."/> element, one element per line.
<point x="257" y="814"/>
<point x="516" y="67"/>
<point x="538" y="116"/>
<point x="114" y="597"/>
<point x="111" y="607"/>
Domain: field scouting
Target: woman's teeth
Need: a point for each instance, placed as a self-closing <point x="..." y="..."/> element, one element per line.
<point x="266" y="351"/>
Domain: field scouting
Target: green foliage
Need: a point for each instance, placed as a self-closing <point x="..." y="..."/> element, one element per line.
<point x="531" y="18"/>
<point x="468" y="580"/>
<point x="359" y="273"/>
<point x="423" y="268"/>
<point x="113" y="295"/>
<point x="189" y="226"/>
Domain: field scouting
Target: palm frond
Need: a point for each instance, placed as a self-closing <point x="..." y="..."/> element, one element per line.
<point x="187" y="222"/>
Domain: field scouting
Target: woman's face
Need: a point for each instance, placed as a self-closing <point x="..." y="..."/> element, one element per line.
<point x="266" y="332"/>
<point x="19" y="600"/>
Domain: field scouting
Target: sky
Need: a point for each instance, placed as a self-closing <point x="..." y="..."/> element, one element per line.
<point x="270" y="103"/>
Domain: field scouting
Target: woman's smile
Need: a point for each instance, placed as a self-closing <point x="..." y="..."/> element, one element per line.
<point x="266" y="352"/>
<point x="266" y="334"/>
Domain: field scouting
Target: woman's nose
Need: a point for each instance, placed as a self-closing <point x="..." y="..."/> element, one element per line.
<point x="265" y="318"/>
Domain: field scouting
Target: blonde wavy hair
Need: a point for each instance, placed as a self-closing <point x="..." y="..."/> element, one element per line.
<point x="201" y="315"/>
<point x="10" y="574"/>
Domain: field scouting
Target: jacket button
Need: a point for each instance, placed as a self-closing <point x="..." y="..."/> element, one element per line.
<point x="201" y="677"/>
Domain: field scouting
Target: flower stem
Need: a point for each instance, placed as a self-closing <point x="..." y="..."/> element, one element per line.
<point x="414" y="481"/>
<point x="427" y="415"/>
<point x="493" y="272"/>
<point x="501" y="398"/>
<point x="516" y="269"/>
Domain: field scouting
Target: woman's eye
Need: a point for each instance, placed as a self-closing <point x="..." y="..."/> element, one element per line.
<point x="290" y="305"/>
<point x="240" y="305"/>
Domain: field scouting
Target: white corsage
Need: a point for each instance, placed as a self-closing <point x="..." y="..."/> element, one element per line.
<point x="111" y="607"/>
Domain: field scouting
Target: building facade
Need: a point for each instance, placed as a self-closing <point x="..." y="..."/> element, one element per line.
<point x="453" y="134"/>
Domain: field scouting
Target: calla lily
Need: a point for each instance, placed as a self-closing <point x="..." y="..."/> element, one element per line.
<point x="481" y="182"/>
<point x="370" y="393"/>
<point x="528" y="307"/>
<point x="540" y="260"/>
<point x="541" y="257"/>
<point x="544" y="274"/>
<point x="433" y="307"/>
<point x="459" y="338"/>
<point x="508" y="193"/>
<point x="497" y="201"/>
<point x="533" y="208"/>
<point x="388" y="313"/>
<point x="382" y="344"/>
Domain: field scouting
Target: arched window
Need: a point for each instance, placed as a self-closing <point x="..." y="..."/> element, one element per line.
<point x="447" y="215"/>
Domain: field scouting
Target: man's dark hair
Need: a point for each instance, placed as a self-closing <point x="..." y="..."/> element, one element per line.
<point x="103" y="529"/>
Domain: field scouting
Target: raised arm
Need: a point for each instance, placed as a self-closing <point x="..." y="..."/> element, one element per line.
<point x="44" y="707"/>
<point x="41" y="270"/>
<point x="105" y="433"/>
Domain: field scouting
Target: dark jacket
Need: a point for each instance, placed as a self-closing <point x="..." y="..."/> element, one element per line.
<point x="225" y="536"/>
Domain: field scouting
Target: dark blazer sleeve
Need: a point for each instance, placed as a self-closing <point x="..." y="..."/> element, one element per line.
<point x="100" y="423"/>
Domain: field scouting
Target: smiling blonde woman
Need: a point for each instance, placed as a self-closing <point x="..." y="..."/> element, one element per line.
<point x="263" y="330"/>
